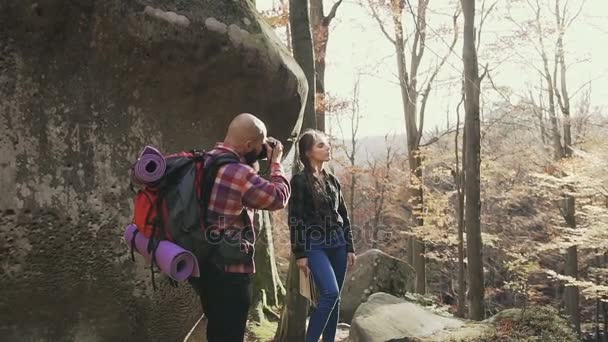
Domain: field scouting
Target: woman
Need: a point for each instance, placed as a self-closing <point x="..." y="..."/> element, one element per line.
<point x="320" y="232"/>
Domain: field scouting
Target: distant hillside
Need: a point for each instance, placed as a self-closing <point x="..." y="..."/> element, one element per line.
<point x="367" y="148"/>
<point x="370" y="147"/>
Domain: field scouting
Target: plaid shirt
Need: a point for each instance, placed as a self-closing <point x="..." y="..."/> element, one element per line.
<point x="238" y="187"/>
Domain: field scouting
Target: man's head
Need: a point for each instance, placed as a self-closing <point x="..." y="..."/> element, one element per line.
<point x="247" y="135"/>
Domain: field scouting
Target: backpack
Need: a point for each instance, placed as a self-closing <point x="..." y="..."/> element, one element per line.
<point x="174" y="207"/>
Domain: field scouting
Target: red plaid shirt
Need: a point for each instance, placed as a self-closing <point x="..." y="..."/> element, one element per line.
<point x="238" y="187"/>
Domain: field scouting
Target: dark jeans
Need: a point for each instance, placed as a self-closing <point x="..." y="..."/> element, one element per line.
<point x="226" y="298"/>
<point x="328" y="267"/>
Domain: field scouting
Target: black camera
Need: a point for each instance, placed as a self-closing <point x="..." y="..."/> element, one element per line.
<point x="264" y="155"/>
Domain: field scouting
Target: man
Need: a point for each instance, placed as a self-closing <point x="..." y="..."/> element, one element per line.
<point x="225" y="288"/>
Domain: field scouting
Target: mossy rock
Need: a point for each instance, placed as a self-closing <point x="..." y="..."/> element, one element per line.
<point x="536" y="324"/>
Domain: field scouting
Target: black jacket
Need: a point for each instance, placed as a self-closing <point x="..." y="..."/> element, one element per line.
<point x="304" y="219"/>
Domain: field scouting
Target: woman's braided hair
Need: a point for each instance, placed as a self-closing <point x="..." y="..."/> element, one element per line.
<point x="307" y="141"/>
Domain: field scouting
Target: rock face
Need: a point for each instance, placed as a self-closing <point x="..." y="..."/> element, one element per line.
<point x="84" y="84"/>
<point x="387" y="318"/>
<point x="376" y="271"/>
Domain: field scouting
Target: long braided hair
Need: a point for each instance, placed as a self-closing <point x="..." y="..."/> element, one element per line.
<point x="307" y="141"/>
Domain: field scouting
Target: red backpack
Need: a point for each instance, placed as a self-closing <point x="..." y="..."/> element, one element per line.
<point x="174" y="207"/>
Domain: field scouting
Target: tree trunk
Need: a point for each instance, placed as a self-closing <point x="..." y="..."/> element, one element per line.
<point x="461" y="269"/>
<point x="568" y="203"/>
<point x="409" y="97"/>
<point x="472" y="147"/>
<point x="567" y="122"/>
<point x="560" y="62"/>
<point x="460" y="181"/>
<point x="605" y="306"/>
<point x="558" y="151"/>
<point x="351" y="199"/>
<point x="597" y="320"/>
<point x="410" y="253"/>
<point x="419" y="261"/>
<point x="572" y="293"/>
<point x="303" y="53"/>
<point x="292" y="325"/>
<point x="352" y="156"/>
<point x="409" y="110"/>
<point x="320" y="37"/>
<point x="267" y="287"/>
<point x="320" y="28"/>
<point x="374" y="237"/>
<point x="569" y="209"/>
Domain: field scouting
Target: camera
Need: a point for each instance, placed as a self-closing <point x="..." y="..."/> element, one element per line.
<point x="263" y="155"/>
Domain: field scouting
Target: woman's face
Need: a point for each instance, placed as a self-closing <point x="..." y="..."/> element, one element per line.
<point x="320" y="151"/>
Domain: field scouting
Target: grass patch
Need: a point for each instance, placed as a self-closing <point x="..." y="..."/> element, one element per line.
<point x="263" y="331"/>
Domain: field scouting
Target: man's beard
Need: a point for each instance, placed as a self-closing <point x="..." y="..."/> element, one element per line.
<point x="251" y="157"/>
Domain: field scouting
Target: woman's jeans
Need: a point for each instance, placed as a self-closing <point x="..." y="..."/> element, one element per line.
<point x="327" y="262"/>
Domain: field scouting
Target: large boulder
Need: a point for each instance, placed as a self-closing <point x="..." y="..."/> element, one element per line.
<point x="376" y="271"/>
<point x="387" y="318"/>
<point x="83" y="86"/>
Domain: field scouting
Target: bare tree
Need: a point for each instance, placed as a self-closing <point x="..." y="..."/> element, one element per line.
<point x="563" y="99"/>
<point x="350" y="146"/>
<point x="320" y="28"/>
<point x="557" y="91"/>
<point x="459" y="174"/>
<point x="568" y="203"/>
<point x="558" y="149"/>
<point x="472" y="85"/>
<point x="568" y="207"/>
<point x="381" y="178"/>
<point x="351" y="151"/>
<point x="414" y="99"/>
<point x="538" y="110"/>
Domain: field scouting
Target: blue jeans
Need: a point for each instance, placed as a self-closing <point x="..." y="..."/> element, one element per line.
<point x="327" y="262"/>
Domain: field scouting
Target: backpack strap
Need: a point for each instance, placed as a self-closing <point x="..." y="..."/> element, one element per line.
<point x="210" y="170"/>
<point x="133" y="244"/>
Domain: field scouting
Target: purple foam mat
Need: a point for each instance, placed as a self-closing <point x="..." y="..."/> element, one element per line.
<point x="149" y="167"/>
<point x="171" y="259"/>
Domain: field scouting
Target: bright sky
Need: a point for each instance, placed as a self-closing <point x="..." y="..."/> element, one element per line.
<point x="356" y="45"/>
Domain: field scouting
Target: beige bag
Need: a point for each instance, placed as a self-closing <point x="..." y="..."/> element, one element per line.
<point x="307" y="287"/>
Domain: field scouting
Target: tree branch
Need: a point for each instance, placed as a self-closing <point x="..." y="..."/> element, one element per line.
<point x="576" y="15"/>
<point x="332" y="13"/>
<point x="377" y="18"/>
<point x="485" y="72"/>
<point x="484" y="16"/>
<point x="429" y="85"/>
<point x="419" y="44"/>
<point x="439" y="136"/>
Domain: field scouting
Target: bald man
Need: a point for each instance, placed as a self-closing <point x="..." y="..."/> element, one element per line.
<point x="225" y="282"/>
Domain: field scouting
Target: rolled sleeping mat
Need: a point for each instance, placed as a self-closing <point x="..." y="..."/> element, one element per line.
<point x="149" y="167"/>
<point x="171" y="259"/>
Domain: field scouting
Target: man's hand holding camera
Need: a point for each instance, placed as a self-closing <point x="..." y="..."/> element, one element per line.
<point x="274" y="149"/>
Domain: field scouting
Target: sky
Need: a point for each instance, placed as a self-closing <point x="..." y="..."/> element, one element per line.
<point x="357" y="46"/>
